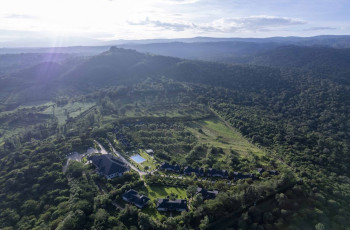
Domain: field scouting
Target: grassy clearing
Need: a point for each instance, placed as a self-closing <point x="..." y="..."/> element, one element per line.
<point x="36" y="104"/>
<point x="155" y="191"/>
<point x="71" y="109"/>
<point x="215" y="132"/>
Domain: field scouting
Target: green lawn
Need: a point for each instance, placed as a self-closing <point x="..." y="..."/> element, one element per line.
<point x="155" y="191"/>
<point x="215" y="132"/>
<point x="150" y="162"/>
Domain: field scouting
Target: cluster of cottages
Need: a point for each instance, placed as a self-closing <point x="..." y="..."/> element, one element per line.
<point x="109" y="166"/>
<point x="165" y="204"/>
<point x="211" y="172"/>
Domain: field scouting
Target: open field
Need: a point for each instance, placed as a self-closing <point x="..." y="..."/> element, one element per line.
<point x="215" y="132"/>
<point x="71" y="109"/>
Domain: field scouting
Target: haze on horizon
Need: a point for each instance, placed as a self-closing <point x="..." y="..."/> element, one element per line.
<point x="29" y="22"/>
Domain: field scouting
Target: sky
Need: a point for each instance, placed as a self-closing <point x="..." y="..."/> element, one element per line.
<point x="92" y="20"/>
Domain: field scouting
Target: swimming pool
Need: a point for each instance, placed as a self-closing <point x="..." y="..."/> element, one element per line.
<point x="138" y="159"/>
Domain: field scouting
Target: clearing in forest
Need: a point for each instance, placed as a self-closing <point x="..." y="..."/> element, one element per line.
<point x="71" y="109"/>
<point x="215" y="132"/>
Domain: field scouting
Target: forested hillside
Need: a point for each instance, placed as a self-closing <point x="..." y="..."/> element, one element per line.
<point x="325" y="59"/>
<point x="288" y="115"/>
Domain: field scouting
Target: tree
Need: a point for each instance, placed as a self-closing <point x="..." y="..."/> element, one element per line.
<point x="101" y="218"/>
<point x="30" y="207"/>
<point x="204" y="223"/>
<point x="197" y="200"/>
<point x="10" y="217"/>
<point x="75" y="169"/>
<point x="144" y="221"/>
<point x="70" y="222"/>
<point x="191" y="190"/>
<point x="320" y="226"/>
<point x="250" y="196"/>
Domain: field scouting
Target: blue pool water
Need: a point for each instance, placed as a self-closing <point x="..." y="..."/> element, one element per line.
<point x="138" y="159"/>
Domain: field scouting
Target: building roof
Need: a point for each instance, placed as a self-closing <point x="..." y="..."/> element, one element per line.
<point x="172" y="205"/>
<point x="273" y="172"/>
<point x="108" y="165"/>
<point x="207" y="194"/>
<point x="133" y="197"/>
<point x="212" y="171"/>
<point x="238" y="175"/>
<point x="189" y="170"/>
<point x="168" y="166"/>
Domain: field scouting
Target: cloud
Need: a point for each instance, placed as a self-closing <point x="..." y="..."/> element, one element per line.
<point x="164" y="25"/>
<point x="253" y="23"/>
<point x="16" y="33"/>
<point x="320" y="28"/>
<point x="226" y="25"/>
<point x="20" y="16"/>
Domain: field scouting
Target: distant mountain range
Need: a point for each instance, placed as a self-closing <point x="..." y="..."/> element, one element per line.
<point x="336" y="41"/>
